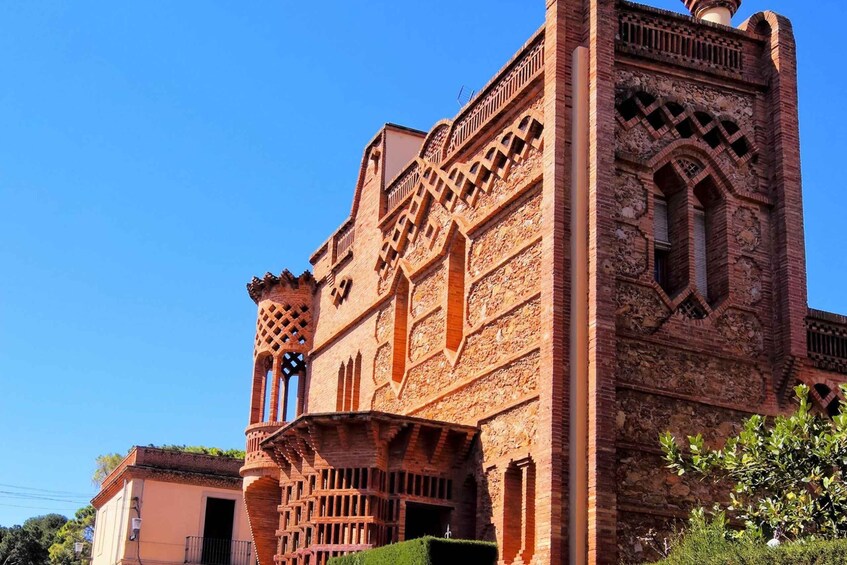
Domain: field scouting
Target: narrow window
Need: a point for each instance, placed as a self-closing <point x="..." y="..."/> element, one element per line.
<point x="519" y="512"/>
<point x="401" y="317"/>
<point x="292" y="398"/>
<point x="701" y="272"/>
<point x="348" y="386"/>
<point x="357" y="380"/>
<point x="260" y="401"/>
<point x="339" y="402"/>
<point x="456" y="293"/>
<point x="711" y="260"/>
<point x="671" y="230"/>
<point x="267" y="381"/>
<point x="662" y="246"/>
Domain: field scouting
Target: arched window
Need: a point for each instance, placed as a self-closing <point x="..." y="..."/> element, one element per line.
<point x="689" y="232"/>
<point x="262" y="377"/>
<point x="349" y="384"/>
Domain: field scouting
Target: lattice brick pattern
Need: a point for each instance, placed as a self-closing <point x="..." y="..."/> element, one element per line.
<point x="283" y="327"/>
<point x="434" y="149"/>
<point x="527" y="67"/>
<point x="464" y="182"/>
<point x="680" y="42"/>
<point x="331" y="512"/>
<point x="667" y="117"/>
<point x="827" y="344"/>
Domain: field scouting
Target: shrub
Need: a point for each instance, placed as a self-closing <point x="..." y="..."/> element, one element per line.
<point x="713" y="543"/>
<point x="424" y="551"/>
<point x="789" y="474"/>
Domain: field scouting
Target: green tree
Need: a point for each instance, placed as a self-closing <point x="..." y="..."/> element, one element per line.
<point x="788" y="476"/>
<point x="29" y="544"/>
<point x="203" y="450"/>
<point x="78" y="529"/>
<point x="103" y="465"/>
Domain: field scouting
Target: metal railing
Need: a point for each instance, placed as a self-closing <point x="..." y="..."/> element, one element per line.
<point x="210" y="551"/>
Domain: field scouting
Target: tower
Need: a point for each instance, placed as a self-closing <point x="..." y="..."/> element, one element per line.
<point x="284" y="330"/>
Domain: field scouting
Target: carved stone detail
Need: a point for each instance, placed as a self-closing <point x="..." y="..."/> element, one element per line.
<point x="384" y="324"/>
<point x="630" y="250"/>
<point x="382" y="364"/>
<point x="427" y="335"/>
<point x="723" y="103"/>
<point x="502" y="386"/>
<point x="510" y="431"/>
<point x="641" y="417"/>
<point x="639" y="309"/>
<point x="742" y="331"/>
<point x="747" y="229"/>
<point x="630" y="195"/>
<point x="688" y="373"/>
<point x="500" y="239"/>
<point x="428" y="291"/>
<point x="749" y="277"/>
<point x="501" y="288"/>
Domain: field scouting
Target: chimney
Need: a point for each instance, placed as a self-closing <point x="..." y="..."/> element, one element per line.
<point x="715" y="11"/>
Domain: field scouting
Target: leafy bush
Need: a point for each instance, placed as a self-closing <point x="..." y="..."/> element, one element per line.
<point x="788" y="474"/>
<point x="424" y="551"/>
<point x="712" y="543"/>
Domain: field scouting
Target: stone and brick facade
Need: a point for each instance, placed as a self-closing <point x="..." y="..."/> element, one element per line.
<point x="605" y="243"/>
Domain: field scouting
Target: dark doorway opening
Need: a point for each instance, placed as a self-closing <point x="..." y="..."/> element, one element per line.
<point x="217" y="531"/>
<point x="426" y="520"/>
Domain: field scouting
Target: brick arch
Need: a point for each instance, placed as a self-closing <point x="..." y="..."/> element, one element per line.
<point x="826" y="394"/>
<point x="696" y="152"/>
<point x="261" y="366"/>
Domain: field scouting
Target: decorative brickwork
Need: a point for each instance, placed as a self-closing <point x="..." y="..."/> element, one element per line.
<point x="457" y="288"/>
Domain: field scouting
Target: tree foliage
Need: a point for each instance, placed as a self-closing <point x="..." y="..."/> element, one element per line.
<point x="203" y="450"/>
<point x="78" y="529"/>
<point x="103" y="465"/>
<point x="788" y="478"/>
<point x="29" y="544"/>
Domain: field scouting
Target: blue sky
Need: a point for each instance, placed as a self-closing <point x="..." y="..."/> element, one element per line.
<point x="156" y="155"/>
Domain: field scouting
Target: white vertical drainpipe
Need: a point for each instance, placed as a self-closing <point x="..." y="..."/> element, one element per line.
<point x="578" y="356"/>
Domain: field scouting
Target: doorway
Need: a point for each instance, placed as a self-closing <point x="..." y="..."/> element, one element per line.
<point x="426" y="520"/>
<point x="217" y="531"/>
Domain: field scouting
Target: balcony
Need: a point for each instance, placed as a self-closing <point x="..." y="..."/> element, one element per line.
<point x="210" y="551"/>
<point x="826" y="336"/>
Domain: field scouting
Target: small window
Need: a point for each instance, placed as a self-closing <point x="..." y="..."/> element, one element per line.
<point x="662" y="243"/>
<point x="700" y="261"/>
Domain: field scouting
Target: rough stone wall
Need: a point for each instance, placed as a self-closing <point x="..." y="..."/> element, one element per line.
<point x="687" y="363"/>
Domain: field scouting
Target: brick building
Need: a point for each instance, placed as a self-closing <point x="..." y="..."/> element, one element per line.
<point x="605" y="243"/>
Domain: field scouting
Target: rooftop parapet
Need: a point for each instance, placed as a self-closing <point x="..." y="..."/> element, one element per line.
<point x="259" y="288"/>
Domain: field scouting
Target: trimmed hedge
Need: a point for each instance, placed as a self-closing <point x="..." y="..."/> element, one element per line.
<point x="807" y="553"/>
<point x="424" y="551"/>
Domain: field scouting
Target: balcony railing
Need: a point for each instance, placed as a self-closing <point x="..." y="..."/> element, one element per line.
<point x="826" y="336"/>
<point x="210" y="551"/>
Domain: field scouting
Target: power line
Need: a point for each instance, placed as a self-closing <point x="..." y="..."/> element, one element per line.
<point x="49" y="491"/>
<point x="54" y="508"/>
<point x="28" y="496"/>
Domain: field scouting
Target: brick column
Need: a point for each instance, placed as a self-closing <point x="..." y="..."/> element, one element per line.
<point x="602" y="518"/>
